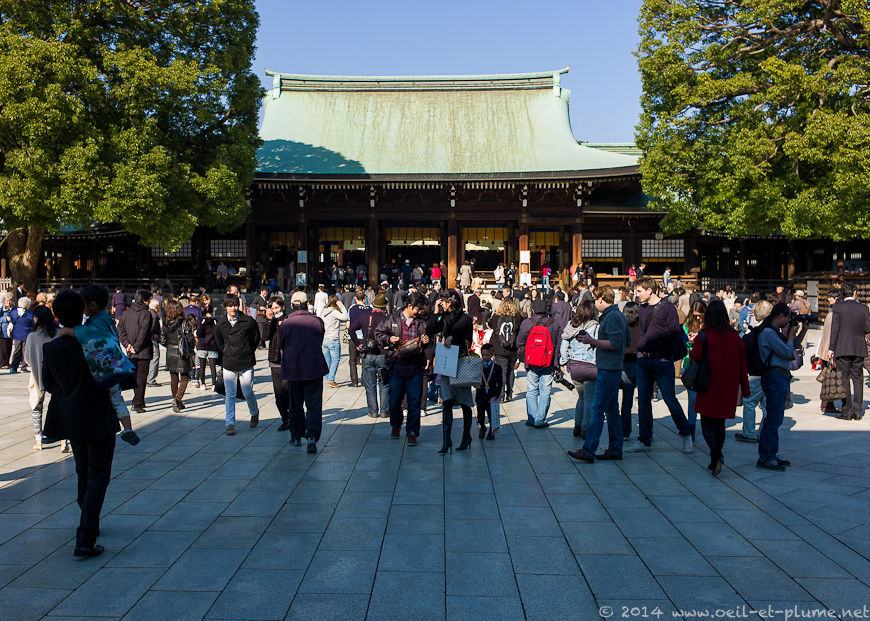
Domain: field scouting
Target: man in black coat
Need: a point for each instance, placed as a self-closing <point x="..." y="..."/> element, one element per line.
<point x="849" y="325"/>
<point x="259" y="304"/>
<point x="135" y="331"/>
<point x="237" y="337"/>
<point x="473" y="306"/>
<point x="82" y="413"/>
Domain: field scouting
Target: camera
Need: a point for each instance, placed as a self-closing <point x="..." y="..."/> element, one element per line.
<point x="559" y="378"/>
<point x="797" y="318"/>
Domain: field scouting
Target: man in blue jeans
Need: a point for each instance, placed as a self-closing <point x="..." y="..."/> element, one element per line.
<point x="539" y="373"/>
<point x="613" y="337"/>
<point x="406" y="365"/>
<point x="776" y="350"/>
<point x="657" y="348"/>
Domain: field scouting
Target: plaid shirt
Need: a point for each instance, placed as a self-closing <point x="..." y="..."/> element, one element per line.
<point x="407" y="368"/>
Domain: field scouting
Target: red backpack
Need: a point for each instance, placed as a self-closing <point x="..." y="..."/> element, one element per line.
<point x="539" y="345"/>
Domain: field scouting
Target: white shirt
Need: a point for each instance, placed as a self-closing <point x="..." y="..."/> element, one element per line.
<point x="320" y="300"/>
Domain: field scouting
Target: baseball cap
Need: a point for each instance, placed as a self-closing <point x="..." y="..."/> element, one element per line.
<point x="299" y="298"/>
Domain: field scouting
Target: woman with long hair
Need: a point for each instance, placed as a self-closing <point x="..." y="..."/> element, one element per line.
<point x="206" y="346"/>
<point x="456" y="331"/>
<point x="629" y="367"/>
<point x="44" y="330"/>
<point x="332" y="315"/>
<point x="579" y="361"/>
<point x="176" y="329"/>
<point x="694" y="324"/>
<point x="505" y="324"/>
<point x="722" y="347"/>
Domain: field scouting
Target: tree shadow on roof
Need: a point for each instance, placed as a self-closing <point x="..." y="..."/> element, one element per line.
<point x="287" y="156"/>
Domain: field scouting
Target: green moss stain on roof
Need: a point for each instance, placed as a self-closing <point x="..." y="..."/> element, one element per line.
<point x="515" y="123"/>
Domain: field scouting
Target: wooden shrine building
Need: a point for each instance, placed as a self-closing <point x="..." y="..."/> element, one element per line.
<point x="372" y="170"/>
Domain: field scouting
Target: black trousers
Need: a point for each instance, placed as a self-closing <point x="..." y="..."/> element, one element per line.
<point x="141" y="379"/>
<point x="852" y="368"/>
<point x="212" y="364"/>
<point x="308" y="422"/>
<point x="447" y="419"/>
<point x="507" y="364"/>
<point x="282" y="394"/>
<point x="94" y="469"/>
<point x="714" y="435"/>
<point x="353" y="357"/>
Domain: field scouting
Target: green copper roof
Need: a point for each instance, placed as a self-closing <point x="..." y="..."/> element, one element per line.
<point x="626" y="148"/>
<point x="515" y="123"/>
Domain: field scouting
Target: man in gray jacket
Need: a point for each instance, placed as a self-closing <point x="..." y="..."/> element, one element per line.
<point x="613" y="337"/>
<point x="850" y="322"/>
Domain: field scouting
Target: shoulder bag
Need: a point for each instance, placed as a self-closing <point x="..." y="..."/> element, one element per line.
<point x="697" y="376"/>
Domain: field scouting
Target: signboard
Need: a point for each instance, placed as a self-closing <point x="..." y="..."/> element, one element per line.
<point x="525" y="256"/>
<point x="301" y="279"/>
<point x="525" y="279"/>
<point x="302" y="256"/>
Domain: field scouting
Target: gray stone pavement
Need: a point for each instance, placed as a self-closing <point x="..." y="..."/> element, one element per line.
<point x="201" y="525"/>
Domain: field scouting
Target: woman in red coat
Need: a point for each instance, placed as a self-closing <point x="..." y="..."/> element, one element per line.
<point x="726" y="360"/>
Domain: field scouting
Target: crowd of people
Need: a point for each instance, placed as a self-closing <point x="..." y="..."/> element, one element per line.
<point x="84" y="348"/>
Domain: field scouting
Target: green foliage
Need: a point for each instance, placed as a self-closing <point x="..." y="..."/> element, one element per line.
<point x="137" y="112"/>
<point x="756" y="115"/>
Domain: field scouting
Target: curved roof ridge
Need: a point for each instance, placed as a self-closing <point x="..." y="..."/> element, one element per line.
<point x="418" y="78"/>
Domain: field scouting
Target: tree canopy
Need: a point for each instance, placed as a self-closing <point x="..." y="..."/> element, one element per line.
<point x="756" y="115"/>
<point x="142" y="113"/>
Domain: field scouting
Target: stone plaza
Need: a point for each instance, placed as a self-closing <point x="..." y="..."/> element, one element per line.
<point x="198" y="524"/>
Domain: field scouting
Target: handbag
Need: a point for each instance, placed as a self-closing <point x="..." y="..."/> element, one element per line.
<point x="831" y="379"/>
<point x="697" y="376"/>
<point x="469" y="371"/>
<point x="221" y="389"/>
<point x="186" y="346"/>
<point x="409" y="348"/>
<point x="582" y="371"/>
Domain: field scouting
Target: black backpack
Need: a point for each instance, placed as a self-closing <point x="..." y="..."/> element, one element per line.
<point x="506" y="334"/>
<point x="754" y="364"/>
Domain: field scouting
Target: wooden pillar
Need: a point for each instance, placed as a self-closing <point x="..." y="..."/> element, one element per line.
<point x="452" y="251"/>
<point x="372" y="249"/>
<point x="3" y="268"/>
<point x="524" y="246"/>
<point x="790" y="260"/>
<point x="577" y="244"/>
<point x="302" y="245"/>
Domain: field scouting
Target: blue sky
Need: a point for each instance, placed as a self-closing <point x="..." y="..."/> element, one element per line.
<point x="385" y="37"/>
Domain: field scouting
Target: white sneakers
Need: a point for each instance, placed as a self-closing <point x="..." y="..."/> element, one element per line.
<point x="637" y="447"/>
<point x="688" y="447"/>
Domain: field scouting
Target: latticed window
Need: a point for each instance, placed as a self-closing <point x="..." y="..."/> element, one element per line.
<point x="183" y="252"/>
<point x="602" y="249"/>
<point x="652" y="249"/>
<point x="229" y="248"/>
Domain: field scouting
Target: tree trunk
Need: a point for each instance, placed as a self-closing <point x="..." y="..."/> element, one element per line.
<point x="24" y="251"/>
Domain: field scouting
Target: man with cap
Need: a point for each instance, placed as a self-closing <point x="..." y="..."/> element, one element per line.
<point x="300" y="337"/>
<point x="362" y="335"/>
<point x="539" y="370"/>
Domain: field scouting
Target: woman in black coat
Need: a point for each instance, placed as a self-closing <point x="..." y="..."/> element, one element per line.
<point x="456" y="329"/>
<point x="176" y="328"/>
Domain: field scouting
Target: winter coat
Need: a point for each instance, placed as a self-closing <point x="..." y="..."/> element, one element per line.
<point x="238" y="343"/>
<point x="6" y="323"/>
<point x="300" y="337"/>
<point x="205" y="340"/>
<point x="169" y="338"/>
<point x="497" y="323"/>
<point x="23" y="324"/>
<point x="33" y="359"/>
<point x="135" y="329"/>
<point x="332" y="321"/>
<point x="726" y="360"/>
